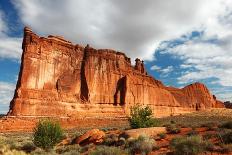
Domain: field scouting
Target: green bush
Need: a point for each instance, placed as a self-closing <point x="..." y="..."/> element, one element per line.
<point x="142" y="145"/>
<point x="47" y="134"/>
<point x="227" y="125"/>
<point x="173" y="129"/>
<point x="192" y="145"/>
<point x="142" y="117"/>
<point x="108" y="150"/>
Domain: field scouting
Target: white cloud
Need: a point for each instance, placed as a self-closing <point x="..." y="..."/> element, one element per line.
<point x="210" y="54"/>
<point x="167" y="70"/>
<point x="10" y="47"/>
<point x="133" y="26"/>
<point x="6" y="92"/>
<point x="154" y="67"/>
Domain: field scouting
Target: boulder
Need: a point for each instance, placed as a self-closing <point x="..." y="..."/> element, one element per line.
<point x="151" y="132"/>
<point x="95" y="136"/>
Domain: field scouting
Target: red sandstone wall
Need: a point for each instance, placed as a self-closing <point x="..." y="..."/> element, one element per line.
<point x="58" y="78"/>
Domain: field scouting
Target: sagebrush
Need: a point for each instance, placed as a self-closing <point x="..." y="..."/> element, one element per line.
<point x="47" y="134"/>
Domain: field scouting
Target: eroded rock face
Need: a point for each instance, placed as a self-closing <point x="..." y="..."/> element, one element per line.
<point x="58" y="78"/>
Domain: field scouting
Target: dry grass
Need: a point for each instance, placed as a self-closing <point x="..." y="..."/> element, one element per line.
<point x="197" y="119"/>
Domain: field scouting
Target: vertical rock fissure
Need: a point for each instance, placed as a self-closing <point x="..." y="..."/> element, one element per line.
<point x="84" y="86"/>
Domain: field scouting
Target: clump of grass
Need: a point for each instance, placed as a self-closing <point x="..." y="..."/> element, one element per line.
<point x="69" y="149"/>
<point x="227" y="125"/>
<point x="142" y="117"/>
<point x="173" y="129"/>
<point x="39" y="151"/>
<point x="162" y="135"/>
<point x="108" y="150"/>
<point x="111" y="140"/>
<point x="28" y="147"/>
<point x="142" y="145"/>
<point x="227" y="137"/>
<point x="192" y="133"/>
<point x="191" y="145"/>
<point x="226" y="148"/>
<point x="208" y="136"/>
<point x="210" y="125"/>
<point x="47" y="134"/>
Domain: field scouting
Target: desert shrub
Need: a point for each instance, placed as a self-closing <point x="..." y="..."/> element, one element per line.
<point x="143" y="145"/>
<point x="192" y="145"/>
<point x="47" y="134"/>
<point x="210" y="125"/>
<point x="142" y="117"/>
<point x="173" y="128"/>
<point x="108" y="150"/>
<point x="121" y="141"/>
<point x="227" y="137"/>
<point x="192" y="133"/>
<point x="110" y="140"/>
<point x="227" y="125"/>
<point x="28" y="147"/>
<point x="13" y="152"/>
<point x="13" y="145"/>
<point x="39" y="151"/>
<point x="226" y="148"/>
<point x="208" y="136"/>
<point x="69" y="149"/>
<point x="162" y="135"/>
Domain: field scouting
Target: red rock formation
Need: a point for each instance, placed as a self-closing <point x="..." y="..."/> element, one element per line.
<point x="58" y="78"/>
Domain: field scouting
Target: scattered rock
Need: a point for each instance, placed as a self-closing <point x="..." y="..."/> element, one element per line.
<point x="135" y="133"/>
<point x="95" y="136"/>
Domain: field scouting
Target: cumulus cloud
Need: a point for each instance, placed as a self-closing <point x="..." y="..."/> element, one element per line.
<point x="135" y="27"/>
<point x="167" y="70"/>
<point x="154" y="67"/>
<point x="6" y="92"/>
<point x="10" y="47"/>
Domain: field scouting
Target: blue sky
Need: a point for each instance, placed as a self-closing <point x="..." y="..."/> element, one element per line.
<point x="181" y="41"/>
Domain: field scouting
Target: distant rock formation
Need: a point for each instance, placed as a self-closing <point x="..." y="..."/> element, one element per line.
<point x="228" y="104"/>
<point x="58" y="78"/>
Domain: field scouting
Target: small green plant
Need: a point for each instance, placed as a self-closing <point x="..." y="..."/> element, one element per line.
<point x="108" y="150"/>
<point x="142" y="145"/>
<point x="191" y="145"/>
<point x="142" y="117"/>
<point x="173" y="129"/>
<point x="47" y="134"/>
<point x="162" y="135"/>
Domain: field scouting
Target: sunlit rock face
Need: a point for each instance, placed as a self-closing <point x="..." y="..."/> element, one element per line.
<point x="58" y="78"/>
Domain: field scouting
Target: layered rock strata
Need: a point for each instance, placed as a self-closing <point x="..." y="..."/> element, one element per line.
<point x="58" y="78"/>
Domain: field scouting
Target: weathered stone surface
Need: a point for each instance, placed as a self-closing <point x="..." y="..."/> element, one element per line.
<point x="58" y="78"/>
<point x="151" y="132"/>
<point x="94" y="136"/>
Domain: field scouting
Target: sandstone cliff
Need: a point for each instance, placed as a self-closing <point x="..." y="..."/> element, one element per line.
<point x="58" y="78"/>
